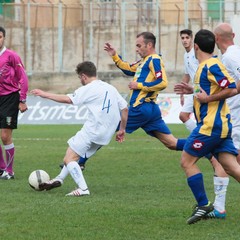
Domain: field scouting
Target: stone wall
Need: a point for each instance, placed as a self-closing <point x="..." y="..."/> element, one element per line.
<point x="68" y="82"/>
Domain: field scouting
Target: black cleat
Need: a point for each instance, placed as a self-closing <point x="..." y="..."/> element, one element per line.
<point x="200" y="212"/>
<point x="54" y="183"/>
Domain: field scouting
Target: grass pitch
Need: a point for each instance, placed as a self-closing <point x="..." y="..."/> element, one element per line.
<point x="138" y="192"/>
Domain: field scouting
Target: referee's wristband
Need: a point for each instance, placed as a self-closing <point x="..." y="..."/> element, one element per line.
<point x="23" y="101"/>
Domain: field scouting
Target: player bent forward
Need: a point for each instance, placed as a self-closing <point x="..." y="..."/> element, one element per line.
<point x="106" y="108"/>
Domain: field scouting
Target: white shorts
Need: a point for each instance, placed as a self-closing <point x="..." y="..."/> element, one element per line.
<point x="82" y="145"/>
<point x="188" y="104"/>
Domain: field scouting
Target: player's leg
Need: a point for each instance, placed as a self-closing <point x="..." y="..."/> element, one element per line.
<point x="196" y="184"/>
<point x="9" y="116"/>
<point x="197" y="146"/>
<point x="155" y="126"/>
<point x="230" y="164"/>
<point x="70" y="161"/>
<point x="220" y="178"/>
<point x="221" y="181"/>
<point x="236" y="131"/>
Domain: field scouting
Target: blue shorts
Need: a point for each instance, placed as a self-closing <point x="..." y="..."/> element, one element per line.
<point x="148" y="117"/>
<point x="200" y="145"/>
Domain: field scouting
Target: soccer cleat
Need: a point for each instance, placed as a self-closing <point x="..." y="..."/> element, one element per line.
<point x="6" y="175"/>
<point x="216" y="214"/>
<point x="54" y="183"/>
<point x="200" y="212"/>
<point x="82" y="166"/>
<point x="78" y="193"/>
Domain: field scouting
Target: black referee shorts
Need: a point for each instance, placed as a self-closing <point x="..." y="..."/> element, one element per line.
<point x="9" y="110"/>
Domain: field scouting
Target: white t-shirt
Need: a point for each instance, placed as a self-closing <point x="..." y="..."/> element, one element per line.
<point x="231" y="59"/>
<point x="104" y="104"/>
<point x="190" y="63"/>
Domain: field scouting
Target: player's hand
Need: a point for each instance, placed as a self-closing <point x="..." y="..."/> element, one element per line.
<point x="22" y="107"/>
<point x="133" y="85"/>
<point x="183" y="88"/>
<point x="120" y="136"/>
<point x="109" y="49"/>
<point x="202" y="96"/>
<point x="38" y="92"/>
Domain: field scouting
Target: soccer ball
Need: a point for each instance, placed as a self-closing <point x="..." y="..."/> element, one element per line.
<point x="37" y="177"/>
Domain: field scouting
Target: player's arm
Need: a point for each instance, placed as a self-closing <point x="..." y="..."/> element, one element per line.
<point x="123" y="106"/>
<point x="22" y="79"/>
<point x="203" y="97"/>
<point x="122" y="129"/>
<point x="127" y="68"/>
<point x="238" y="86"/>
<point x="160" y="79"/>
<point x="225" y="82"/>
<point x="52" y="96"/>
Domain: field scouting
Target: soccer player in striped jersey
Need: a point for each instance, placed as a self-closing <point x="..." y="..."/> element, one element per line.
<point x="213" y="131"/>
<point x="231" y="59"/>
<point x="149" y="78"/>
<point x="220" y="178"/>
<point x="13" y="94"/>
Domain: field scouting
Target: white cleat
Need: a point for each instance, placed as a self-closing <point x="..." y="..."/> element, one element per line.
<point x="79" y="192"/>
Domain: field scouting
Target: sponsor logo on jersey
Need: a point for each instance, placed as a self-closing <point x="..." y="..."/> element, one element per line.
<point x="224" y="83"/>
<point x="197" y="145"/>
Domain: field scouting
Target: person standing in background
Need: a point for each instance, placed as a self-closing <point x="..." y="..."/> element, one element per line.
<point x="13" y="94"/>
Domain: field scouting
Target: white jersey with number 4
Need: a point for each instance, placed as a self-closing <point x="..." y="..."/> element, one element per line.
<point x="104" y="104"/>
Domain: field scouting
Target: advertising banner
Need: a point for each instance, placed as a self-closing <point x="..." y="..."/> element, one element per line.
<point x="44" y="111"/>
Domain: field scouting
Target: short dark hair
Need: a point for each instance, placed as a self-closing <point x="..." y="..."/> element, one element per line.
<point x="148" y="37"/>
<point x="205" y="40"/>
<point x="3" y="31"/>
<point x="88" y="68"/>
<point x="186" y="31"/>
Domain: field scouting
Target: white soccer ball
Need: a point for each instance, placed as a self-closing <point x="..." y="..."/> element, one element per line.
<point x="37" y="177"/>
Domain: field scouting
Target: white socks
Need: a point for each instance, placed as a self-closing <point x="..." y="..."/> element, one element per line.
<point x="220" y="189"/>
<point x="63" y="174"/>
<point x="76" y="173"/>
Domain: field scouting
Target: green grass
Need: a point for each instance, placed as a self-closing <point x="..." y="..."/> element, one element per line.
<point x="138" y="191"/>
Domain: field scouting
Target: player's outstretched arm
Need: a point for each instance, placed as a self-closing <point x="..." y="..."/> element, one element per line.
<point x="52" y="96"/>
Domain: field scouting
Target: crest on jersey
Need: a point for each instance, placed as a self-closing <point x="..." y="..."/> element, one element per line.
<point x="197" y="145"/>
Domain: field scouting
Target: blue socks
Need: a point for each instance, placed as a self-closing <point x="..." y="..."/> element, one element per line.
<point x="196" y="184"/>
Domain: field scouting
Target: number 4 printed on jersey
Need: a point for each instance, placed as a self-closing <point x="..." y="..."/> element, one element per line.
<point x="106" y="103"/>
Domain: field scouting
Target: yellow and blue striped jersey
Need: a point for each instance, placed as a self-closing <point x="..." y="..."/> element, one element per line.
<point x="213" y="118"/>
<point x="150" y="75"/>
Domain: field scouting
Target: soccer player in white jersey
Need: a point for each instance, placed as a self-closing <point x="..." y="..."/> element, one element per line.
<point x="190" y="68"/>
<point x="106" y="110"/>
<point x="220" y="178"/>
